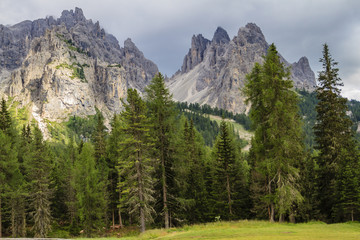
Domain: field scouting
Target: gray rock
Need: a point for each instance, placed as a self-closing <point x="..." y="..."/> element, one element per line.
<point x="220" y="36"/>
<point x="37" y="60"/>
<point x="214" y="72"/>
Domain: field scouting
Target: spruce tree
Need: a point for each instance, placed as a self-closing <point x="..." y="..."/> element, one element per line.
<point x="224" y="151"/>
<point x="194" y="205"/>
<point x="277" y="144"/>
<point x="113" y="151"/>
<point x="38" y="169"/>
<point x="89" y="191"/>
<point x="135" y="164"/>
<point x="162" y="117"/>
<point x="333" y="137"/>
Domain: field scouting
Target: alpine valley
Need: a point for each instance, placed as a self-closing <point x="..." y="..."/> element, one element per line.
<point x="58" y="68"/>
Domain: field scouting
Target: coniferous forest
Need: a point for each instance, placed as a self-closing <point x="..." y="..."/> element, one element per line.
<point x="164" y="164"/>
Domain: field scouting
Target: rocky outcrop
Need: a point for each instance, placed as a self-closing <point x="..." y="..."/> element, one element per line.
<point x="214" y="71"/>
<point x="68" y="66"/>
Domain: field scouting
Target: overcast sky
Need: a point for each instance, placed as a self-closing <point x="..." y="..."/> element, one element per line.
<point x="162" y="29"/>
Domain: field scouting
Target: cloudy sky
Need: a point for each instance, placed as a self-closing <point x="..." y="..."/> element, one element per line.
<point x="162" y="29"/>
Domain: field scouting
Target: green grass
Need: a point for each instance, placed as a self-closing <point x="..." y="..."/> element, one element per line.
<point x="77" y="70"/>
<point x="255" y="230"/>
<point x="242" y="132"/>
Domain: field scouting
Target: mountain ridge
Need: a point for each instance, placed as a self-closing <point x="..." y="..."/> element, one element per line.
<point x="214" y="70"/>
<point x="58" y="68"/>
<point x="68" y="66"/>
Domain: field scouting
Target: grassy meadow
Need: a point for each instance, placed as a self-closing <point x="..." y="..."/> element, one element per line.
<point x="254" y="230"/>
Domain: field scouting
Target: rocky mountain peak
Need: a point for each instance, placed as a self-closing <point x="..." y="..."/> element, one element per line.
<point x="196" y="52"/>
<point x="214" y="73"/>
<point x="302" y="74"/>
<point x="70" y="18"/>
<point x="251" y="34"/>
<point x="68" y="66"/>
<point x="220" y="36"/>
<point x="129" y="44"/>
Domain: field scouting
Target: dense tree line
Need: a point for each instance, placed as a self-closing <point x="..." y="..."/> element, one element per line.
<point x="240" y="118"/>
<point x="153" y="169"/>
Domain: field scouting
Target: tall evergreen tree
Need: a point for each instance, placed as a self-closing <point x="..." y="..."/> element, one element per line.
<point x="8" y="171"/>
<point x="89" y="191"/>
<point x="135" y="165"/>
<point x="194" y="207"/>
<point x="99" y="140"/>
<point x="333" y="136"/>
<point x="224" y="151"/>
<point x="38" y="167"/>
<point x="162" y="115"/>
<point x="113" y="149"/>
<point x="277" y="144"/>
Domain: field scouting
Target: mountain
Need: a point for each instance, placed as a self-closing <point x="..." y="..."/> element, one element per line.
<point x="56" y="68"/>
<point x="213" y="72"/>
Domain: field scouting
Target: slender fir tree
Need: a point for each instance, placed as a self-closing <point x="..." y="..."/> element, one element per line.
<point x="38" y="167"/>
<point x="224" y="151"/>
<point x="333" y="136"/>
<point x="162" y="116"/>
<point x="135" y="165"/>
<point x="89" y="187"/>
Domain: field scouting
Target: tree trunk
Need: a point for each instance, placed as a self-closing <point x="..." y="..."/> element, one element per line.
<point x="0" y="220"/>
<point x="166" y="210"/>
<point x="119" y="210"/>
<point x="292" y="218"/>
<point x="141" y="194"/>
<point x="228" y="193"/>
<point x="352" y="215"/>
<point x="272" y="209"/>
<point x="113" y="219"/>
<point x="281" y="218"/>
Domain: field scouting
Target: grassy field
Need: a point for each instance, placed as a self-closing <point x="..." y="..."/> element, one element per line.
<point x="256" y="230"/>
<point x="243" y="134"/>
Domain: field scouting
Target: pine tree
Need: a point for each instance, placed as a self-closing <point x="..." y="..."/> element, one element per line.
<point x="194" y="206"/>
<point x="277" y="144"/>
<point x="113" y="150"/>
<point x="333" y="135"/>
<point x="224" y="151"/>
<point x="8" y="171"/>
<point x="135" y="165"/>
<point x="162" y="116"/>
<point x="89" y="191"/>
<point x="38" y="169"/>
<point x="5" y="119"/>
<point x="99" y="140"/>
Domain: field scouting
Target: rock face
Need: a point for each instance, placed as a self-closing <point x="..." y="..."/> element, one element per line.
<point x="214" y="71"/>
<point x="68" y="66"/>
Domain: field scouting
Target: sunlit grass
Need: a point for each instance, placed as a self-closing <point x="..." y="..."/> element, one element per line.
<point x="255" y="230"/>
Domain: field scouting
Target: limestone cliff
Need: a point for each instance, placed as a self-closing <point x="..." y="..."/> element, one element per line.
<point x="214" y="71"/>
<point x="68" y="66"/>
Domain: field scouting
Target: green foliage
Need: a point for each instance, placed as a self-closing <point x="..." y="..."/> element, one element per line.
<point x="114" y="65"/>
<point x="89" y="191"/>
<point x="334" y="138"/>
<point x="209" y="129"/>
<point x="277" y="145"/>
<point x="242" y="118"/>
<point x="161" y="111"/>
<point x="193" y="204"/>
<point x="82" y="128"/>
<point x="71" y="45"/>
<point x="38" y="170"/>
<point x="135" y="165"/>
<point x="77" y="70"/>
